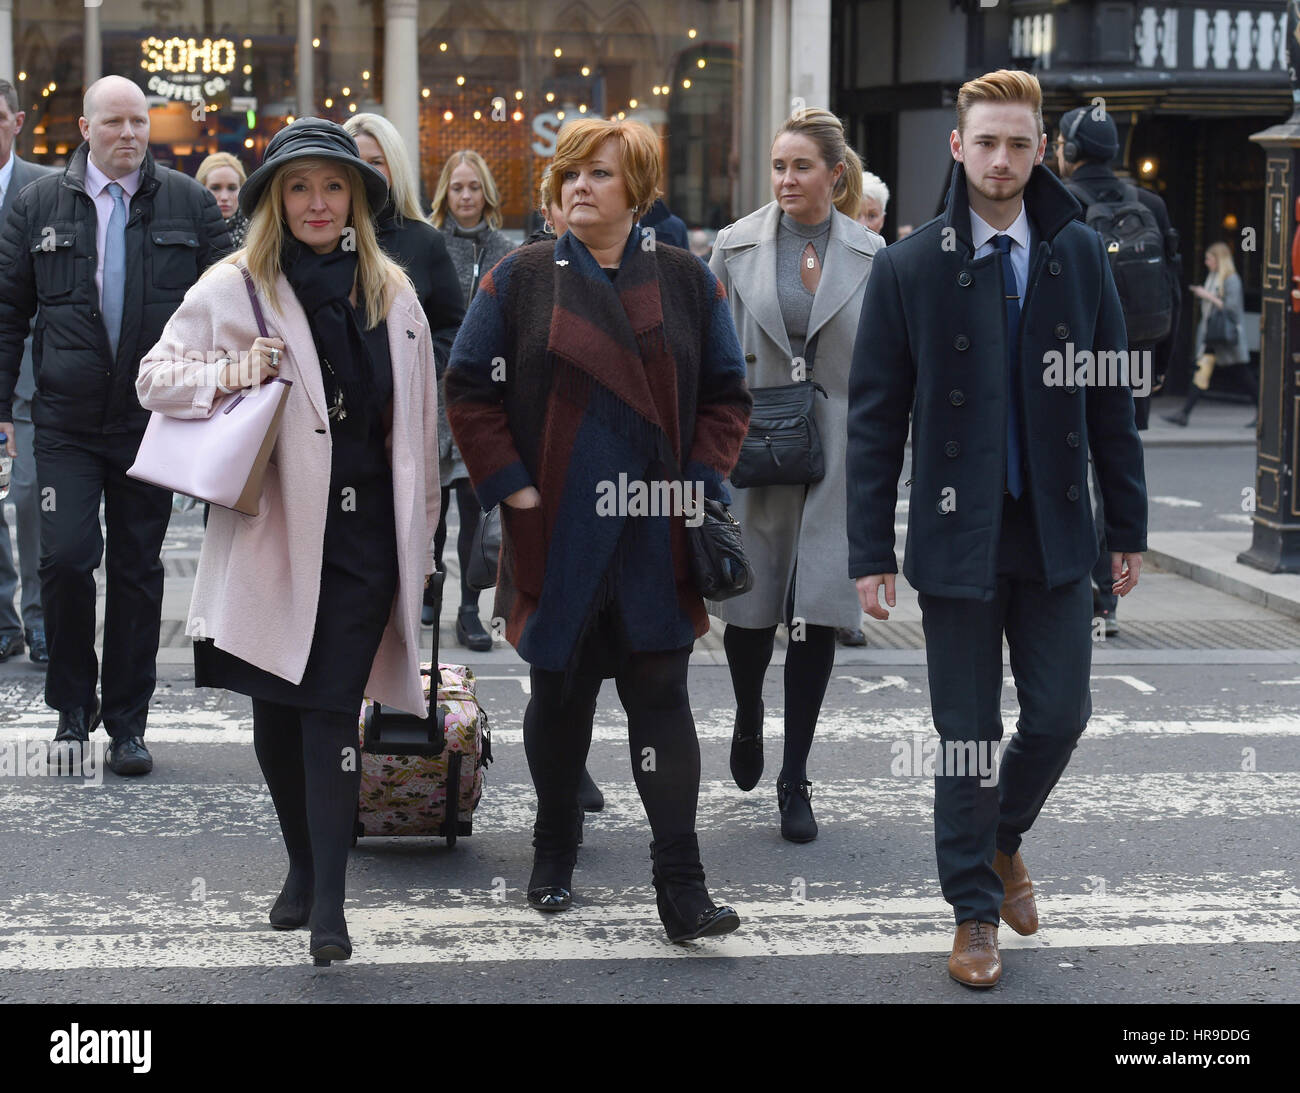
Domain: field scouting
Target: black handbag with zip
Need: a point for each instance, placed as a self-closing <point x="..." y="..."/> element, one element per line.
<point x="783" y="446"/>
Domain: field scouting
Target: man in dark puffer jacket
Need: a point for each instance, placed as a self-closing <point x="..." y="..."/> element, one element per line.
<point x="101" y="253"/>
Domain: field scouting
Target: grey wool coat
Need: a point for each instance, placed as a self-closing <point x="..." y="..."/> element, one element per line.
<point x="1234" y="304"/>
<point x="796" y="537"/>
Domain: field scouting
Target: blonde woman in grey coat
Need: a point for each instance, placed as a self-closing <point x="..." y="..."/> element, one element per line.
<point x="1221" y="292"/>
<point x="795" y="272"/>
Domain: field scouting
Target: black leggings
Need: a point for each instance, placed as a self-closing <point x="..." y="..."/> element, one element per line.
<point x="808" y="665"/>
<point x="470" y="514"/>
<point x="312" y="764"/>
<point x="660" y="731"/>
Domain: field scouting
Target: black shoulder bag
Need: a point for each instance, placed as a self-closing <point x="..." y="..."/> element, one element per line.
<point x="783" y="446"/>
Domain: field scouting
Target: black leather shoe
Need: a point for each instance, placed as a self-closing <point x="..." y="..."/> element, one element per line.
<point x="589" y="795"/>
<point x="470" y="632"/>
<point x="292" y="907"/>
<point x="555" y="853"/>
<point x="851" y="636"/>
<point x="37" y="650"/>
<point x="127" y="755"/>
<point x="794" y="799"/>
<point x="683" y="902"/>
<point x="77" y="724"/>
<point x="747" y="751"/>
<point x="10" y="646"/>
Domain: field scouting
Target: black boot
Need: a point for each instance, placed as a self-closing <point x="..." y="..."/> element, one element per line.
<point x="747" y="750"/>
<point x="1180" y="418"/>
<point x="293" y="907"/>
<point x="555" y="852"/>
<point x="589" y="795"/>
<point x="469" y="630"/>
<point x="329" y="939"/>
<point x="684" y="905"/>
<point x="794" y="799"/>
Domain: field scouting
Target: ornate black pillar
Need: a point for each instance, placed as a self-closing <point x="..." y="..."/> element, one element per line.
<point x="1275" y="545"/>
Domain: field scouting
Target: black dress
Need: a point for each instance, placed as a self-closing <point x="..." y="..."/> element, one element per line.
<point x="358" y="569"/>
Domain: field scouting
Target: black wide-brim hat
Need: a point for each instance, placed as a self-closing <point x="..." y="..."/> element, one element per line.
<point x="312" y="138"/>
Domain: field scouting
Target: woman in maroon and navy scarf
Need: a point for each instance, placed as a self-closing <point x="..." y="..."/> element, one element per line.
<point x="586" y="372"/>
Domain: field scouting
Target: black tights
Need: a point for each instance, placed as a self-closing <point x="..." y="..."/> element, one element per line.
<point x="470" y="514"/>
<point x="660" y="730"/>
<point x="808" y="665"/>
<point x="311" y="760"/>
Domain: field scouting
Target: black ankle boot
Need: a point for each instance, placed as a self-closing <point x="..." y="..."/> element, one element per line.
<point x="292" y="908"/>
<point x="1180" y="418"/>
<point x="555" y="852"/>
<point x="330" y="941"/>
<point x="794" y="799"/>
<point x="684" y="905"/>
<point x="470" y="632"/>
<point x="747" y="750"/>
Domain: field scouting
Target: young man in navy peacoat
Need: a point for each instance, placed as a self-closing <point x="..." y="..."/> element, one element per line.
<point x="1000" y="533"/>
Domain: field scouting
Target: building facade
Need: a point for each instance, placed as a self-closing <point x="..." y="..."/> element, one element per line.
<point x="1187" y="84"/>
<point x="713" y="77"/>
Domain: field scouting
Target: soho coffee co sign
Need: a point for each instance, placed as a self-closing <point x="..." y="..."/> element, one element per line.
<point x="188" y="69"/>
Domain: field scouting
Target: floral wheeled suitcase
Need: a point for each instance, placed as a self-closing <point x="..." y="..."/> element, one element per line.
<point x="424" y="777"/>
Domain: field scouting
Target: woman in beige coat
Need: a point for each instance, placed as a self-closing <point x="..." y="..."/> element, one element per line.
<point x="315" y="600"/>
<point x="795" y="272"/>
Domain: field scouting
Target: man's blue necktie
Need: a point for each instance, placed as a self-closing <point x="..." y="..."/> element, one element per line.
<point x="1015" y="474"/>
<point x="114" y="268"/>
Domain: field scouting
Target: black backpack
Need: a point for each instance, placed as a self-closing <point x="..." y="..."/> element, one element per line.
<point x="1135" y="246"/>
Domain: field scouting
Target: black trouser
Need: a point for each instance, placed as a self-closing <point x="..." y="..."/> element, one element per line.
<point x="660" y="729"/>
<point x="311" y="761"/>
<point x="468" y="509"/>
<point x="1103" y="582"/>
<point x="1051" y="657"/>
<point x="76" y="471"/>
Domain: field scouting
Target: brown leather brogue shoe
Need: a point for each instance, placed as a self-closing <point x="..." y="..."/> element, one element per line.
<point x="975" y="961"/>
<point x="1018" y="908"/>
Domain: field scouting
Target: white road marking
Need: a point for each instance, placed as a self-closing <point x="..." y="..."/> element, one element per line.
<point x="1137" y="684"/>
<point x="1177" y="502"/>
<point x="837" y="726"/>
<point x="42" y="809"/>
<point x="436" y="928"/>
<point x="865" y="687"/>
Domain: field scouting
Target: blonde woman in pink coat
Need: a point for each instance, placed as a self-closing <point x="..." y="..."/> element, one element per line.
<point x="316" y="600"/>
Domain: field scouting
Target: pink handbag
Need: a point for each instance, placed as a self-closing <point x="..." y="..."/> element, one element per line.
<point x="222" y="458"/>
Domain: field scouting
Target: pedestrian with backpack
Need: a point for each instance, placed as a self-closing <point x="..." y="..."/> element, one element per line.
<point x="1140" y="242"/>
<point x="1143" y="250"/>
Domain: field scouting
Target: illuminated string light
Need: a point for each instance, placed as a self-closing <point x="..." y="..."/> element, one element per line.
<point x="424" y="92"/>
<point x="686" y="83"/>
<point x="691" y="33"/>
<point x="550" y="96"/>
<point x="447" y="115"/>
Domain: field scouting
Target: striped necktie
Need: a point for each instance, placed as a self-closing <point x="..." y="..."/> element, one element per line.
<point x="114" y="268"/>
<point x="1011" y="290"/>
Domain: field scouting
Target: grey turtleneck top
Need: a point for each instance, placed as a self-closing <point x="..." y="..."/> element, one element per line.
<point x="796" y="301"/>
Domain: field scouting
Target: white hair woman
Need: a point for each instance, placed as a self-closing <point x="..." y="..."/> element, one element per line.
<point x="875" y="199"/>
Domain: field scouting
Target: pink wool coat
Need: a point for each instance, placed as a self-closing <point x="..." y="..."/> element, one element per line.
<point x="258" y="584"/>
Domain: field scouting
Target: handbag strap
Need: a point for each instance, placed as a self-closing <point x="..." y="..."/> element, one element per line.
<point x="252" y="295"/>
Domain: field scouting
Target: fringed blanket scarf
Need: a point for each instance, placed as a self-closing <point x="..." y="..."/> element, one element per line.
<point x="597" y="423"/>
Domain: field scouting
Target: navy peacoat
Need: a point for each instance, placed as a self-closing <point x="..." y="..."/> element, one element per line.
<point x="931" y="340"/>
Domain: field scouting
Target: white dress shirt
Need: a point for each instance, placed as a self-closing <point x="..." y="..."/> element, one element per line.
<point x="6" y="176"/>
<point x="982" y="233"/>
<point x="97" y="187"/>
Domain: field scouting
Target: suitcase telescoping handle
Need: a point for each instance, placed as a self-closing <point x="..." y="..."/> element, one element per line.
<point x="390" y="732"/>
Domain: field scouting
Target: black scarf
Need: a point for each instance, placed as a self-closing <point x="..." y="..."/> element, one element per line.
<point x="322" y="283"/>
